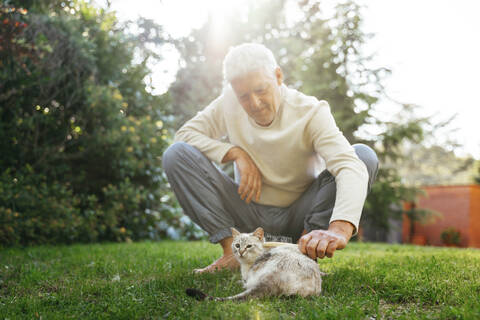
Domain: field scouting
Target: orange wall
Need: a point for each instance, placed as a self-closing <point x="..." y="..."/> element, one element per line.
<point x="475" y="217"/>
<point x="453" y="202"/>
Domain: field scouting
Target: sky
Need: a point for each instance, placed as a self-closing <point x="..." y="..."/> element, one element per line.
<point x="431" y="46"/>
<point x="433" y="49"/>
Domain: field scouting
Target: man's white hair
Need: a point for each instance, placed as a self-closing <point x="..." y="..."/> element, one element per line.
<point x="246" y="58"/>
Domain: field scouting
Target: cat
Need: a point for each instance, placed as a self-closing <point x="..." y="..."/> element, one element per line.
<point x="280" y="271"/>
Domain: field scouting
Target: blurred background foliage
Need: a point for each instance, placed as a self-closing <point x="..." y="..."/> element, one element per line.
<point x="82" y="135"/>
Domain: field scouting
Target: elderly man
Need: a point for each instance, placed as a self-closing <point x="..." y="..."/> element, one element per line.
<point x="278" y="139"/>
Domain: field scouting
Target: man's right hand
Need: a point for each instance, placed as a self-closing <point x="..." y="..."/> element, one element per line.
<point x="251" y="178"/>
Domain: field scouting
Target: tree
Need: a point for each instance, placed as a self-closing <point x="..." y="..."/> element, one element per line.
<point x="80" y="134"/>
<point x="322" y="56"/>
<point x="434" y="165"/>
<point x="418" y="215"/>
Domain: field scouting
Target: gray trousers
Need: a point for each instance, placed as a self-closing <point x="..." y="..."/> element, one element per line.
<point x="210" y="198"/>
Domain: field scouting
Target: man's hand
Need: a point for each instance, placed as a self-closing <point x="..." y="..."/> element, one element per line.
<point x="321" y="243"/>
<point x="251" y="178"/>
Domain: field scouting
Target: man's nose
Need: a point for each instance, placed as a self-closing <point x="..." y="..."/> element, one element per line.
<point x="255" y="102"/>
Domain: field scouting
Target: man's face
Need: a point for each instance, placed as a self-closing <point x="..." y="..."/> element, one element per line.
<point x="259" y="94"/>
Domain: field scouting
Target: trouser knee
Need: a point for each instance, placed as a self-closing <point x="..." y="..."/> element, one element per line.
<point x="173" y="155"/>
<point x="369" y="157"/>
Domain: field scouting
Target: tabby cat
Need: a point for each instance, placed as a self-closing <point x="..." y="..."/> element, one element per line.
<point x="280" y="271"/>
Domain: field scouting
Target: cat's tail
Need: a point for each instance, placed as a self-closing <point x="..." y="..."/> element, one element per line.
<point x="199" y="295"/>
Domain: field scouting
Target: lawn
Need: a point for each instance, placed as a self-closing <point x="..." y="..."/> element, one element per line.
<point x="148" y="280"/>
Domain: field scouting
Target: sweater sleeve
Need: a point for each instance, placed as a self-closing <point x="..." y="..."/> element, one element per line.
<point x="205" y="130"/>
<point x="351" y="175"/>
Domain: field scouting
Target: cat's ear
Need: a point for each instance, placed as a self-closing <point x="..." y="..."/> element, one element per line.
<point x="258" y="233"/>
<point x="235" y="232"/>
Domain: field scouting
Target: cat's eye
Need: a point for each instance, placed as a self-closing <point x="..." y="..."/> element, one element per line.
<point x="249" y="246"/>
<point x="237" y="245"/>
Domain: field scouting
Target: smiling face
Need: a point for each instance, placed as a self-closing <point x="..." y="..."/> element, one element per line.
<point x="259" y="94"/>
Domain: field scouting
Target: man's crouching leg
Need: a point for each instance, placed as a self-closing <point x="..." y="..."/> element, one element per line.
<point x="369" y="157"/>
<point x="206" y="195"/>
<point x="319" y="200"/>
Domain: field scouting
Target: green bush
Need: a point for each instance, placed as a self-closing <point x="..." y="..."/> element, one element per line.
<point x="80" y="133"/>
<point x="36" y="211"/>
<point x="450" y="236"/>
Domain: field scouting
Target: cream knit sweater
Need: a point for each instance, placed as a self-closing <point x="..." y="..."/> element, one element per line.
<point x="301" y="141"/>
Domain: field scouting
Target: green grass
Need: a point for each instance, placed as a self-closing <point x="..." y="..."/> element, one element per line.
<point x="148" y="280"/>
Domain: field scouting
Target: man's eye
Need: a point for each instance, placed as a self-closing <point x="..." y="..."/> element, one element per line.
<point x="261" y="90"/>
<point x="249" y="246"/>
<point x="237" y="245"/>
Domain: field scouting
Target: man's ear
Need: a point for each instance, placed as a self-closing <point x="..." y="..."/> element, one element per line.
<point x="258" y="233"/>
<point x="279" y="75"/>
<point x="235" y="232"/>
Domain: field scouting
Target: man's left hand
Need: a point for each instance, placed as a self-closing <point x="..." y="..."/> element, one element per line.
<point x="321" y="243"/>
